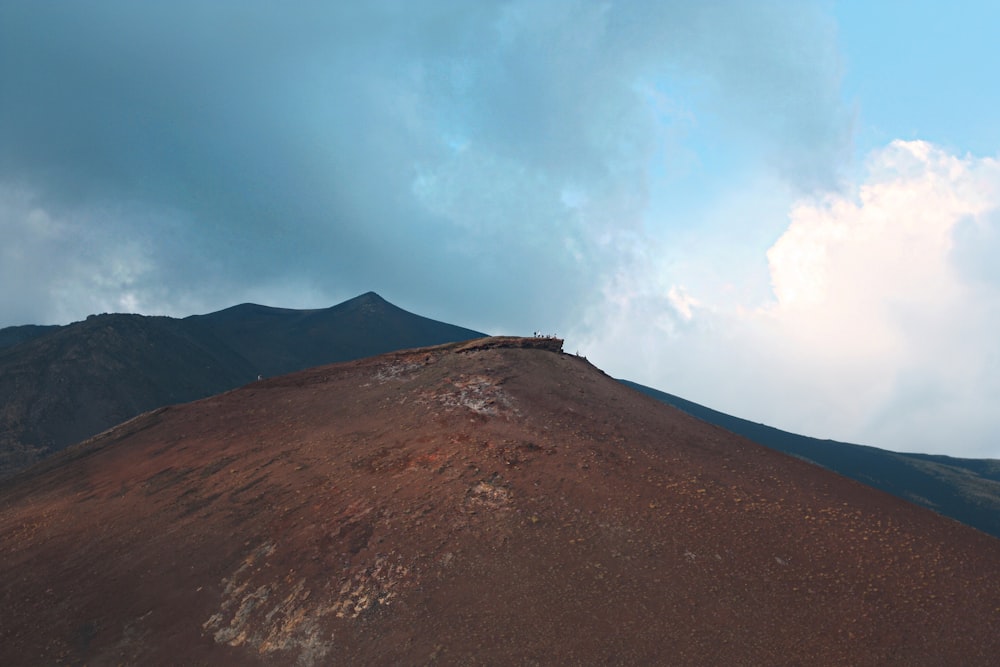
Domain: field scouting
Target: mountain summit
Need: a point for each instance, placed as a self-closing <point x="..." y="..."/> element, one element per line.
<point x="488" y="502"/>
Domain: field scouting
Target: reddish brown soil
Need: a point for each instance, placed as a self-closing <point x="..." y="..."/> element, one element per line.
<point x="478" y="503"/>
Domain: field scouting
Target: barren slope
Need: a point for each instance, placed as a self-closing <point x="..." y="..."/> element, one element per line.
<point x="967" y="490"/>
<point x="477" y="503"/>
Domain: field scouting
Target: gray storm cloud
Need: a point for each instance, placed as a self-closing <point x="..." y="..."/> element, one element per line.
<point x="486" y="162"/>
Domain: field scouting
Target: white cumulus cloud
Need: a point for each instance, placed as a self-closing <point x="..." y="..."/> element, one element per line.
<point x="882" y="324"/>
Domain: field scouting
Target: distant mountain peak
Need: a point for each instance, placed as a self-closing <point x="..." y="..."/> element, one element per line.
<point x="366" y="300"/>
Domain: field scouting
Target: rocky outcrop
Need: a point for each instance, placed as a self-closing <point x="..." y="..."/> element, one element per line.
<point x="549" y="343"/>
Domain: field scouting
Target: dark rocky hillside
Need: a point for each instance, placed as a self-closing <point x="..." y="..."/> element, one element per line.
<point x="490" y="502"/>
<point x="60" y="385"/>
<point x="278" y="340"/>
<point x="67" y="385"/>
<point x="13" y="335"/>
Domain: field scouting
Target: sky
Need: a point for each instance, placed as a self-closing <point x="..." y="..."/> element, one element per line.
<point x="785" y="210"/>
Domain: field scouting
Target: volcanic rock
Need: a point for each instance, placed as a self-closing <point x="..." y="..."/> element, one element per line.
<point x="489" y="502"/>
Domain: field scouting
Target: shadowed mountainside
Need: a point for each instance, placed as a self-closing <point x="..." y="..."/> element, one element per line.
<point x="13" y="335"/>
<point x="967" y="490"/>
<point x="278" y="340"/>
<point x="78" y="380"/>
<point x="60" y="385"/>
<point x="488" y="502"/>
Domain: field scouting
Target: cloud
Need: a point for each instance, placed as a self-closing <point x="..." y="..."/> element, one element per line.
<point x="882" y="324"/>
<point x="65" y="264"/>
<point x="485" y="162"/>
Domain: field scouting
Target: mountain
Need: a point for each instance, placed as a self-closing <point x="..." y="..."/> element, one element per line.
<point x="75" y="381"/>
<point x="278" y="340"/>
<point x="60" y="385"/>
<point x="487" y="502"/>
<point x="967" y="490"/>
